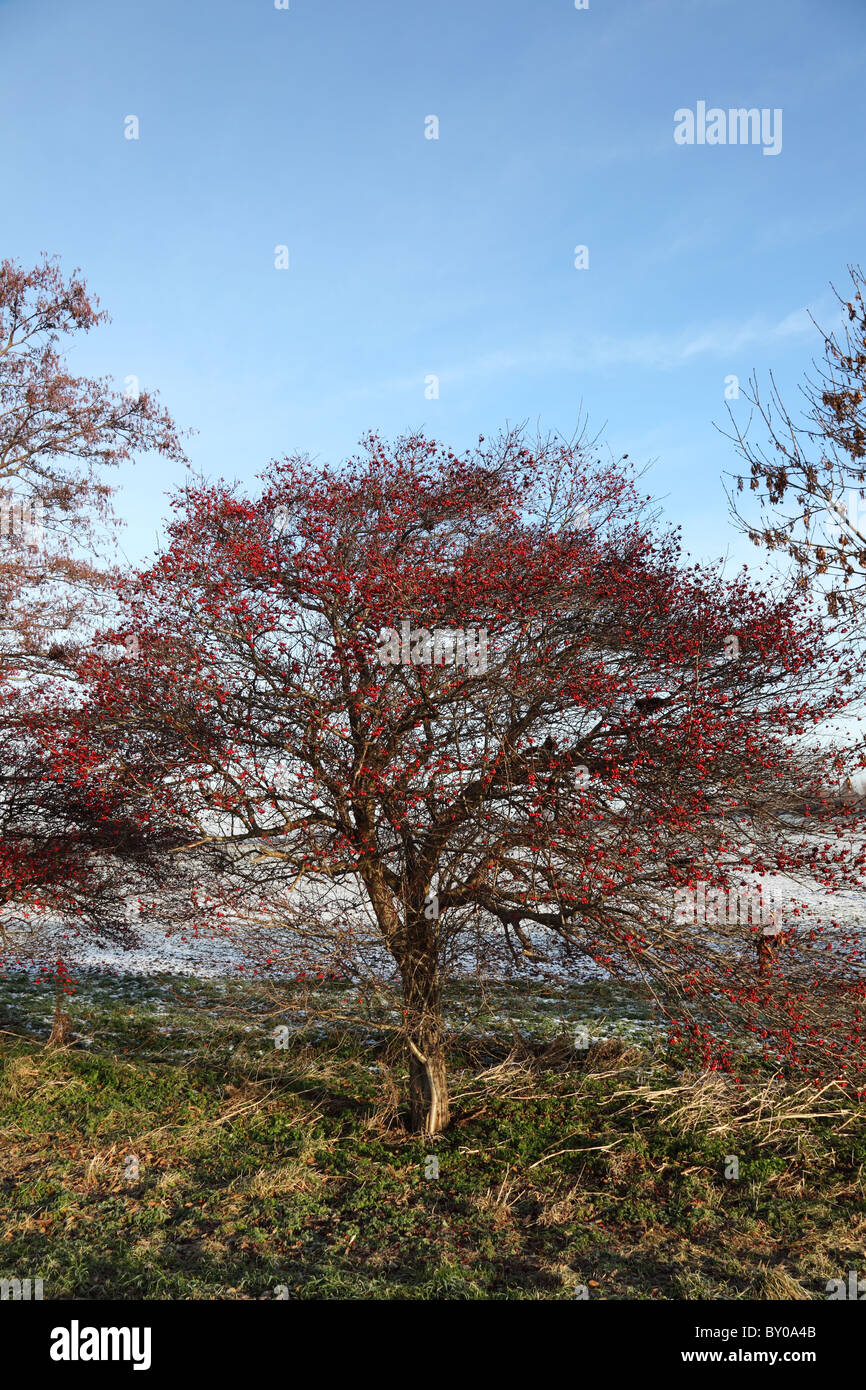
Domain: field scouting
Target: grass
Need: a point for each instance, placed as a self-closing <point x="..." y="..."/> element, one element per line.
<point x="265" y="1172"/>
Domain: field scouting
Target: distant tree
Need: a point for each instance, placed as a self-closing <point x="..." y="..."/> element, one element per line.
<point x="810" y="472"/>
<point x="60" y="436"/>
<point x="480" y="706"/>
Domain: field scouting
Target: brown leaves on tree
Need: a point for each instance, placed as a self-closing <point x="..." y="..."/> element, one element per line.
<point x="810" y="472"/>
<point x="59" y="436"/>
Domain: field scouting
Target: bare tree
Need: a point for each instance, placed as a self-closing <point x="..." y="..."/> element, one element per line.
<point x="810" y="472"/>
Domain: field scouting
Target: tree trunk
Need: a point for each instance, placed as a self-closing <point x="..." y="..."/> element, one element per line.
<point x="428" y="1079"/>
<point x="61" y="1029"/>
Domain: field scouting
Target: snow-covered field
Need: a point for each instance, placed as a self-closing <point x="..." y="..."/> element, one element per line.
<point x="222" y="953"/>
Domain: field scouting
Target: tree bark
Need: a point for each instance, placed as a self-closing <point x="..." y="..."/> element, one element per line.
<point x="428" y="1078"/>
<point x="61" y="1029"/>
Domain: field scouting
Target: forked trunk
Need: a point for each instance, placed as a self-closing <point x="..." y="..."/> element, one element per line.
<point x="428" y="1078"/>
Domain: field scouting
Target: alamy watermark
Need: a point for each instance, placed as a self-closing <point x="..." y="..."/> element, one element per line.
<point x="21" y="1290"/>
<point x="22" y="517"/>
<point x="742" y="904"/>
<point x="854" y="1289"/>
<point x="735" y="126"/>
<point x="77" y="1343"/>
<point x="422" y="647"/>
<point x="846" y="514"/>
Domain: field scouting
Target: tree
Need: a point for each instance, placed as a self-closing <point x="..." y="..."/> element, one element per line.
<point x="60" y="435"/>
<point x="479" y="702"/>
<point x="810" y="476"/>
<point x="78" y="837"/>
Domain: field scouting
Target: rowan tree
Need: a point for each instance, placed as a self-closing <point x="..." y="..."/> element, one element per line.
<point x="79" y="840"/>
<point x="319" y="706"/>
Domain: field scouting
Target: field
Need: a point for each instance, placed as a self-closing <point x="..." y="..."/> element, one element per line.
<point x="174" y="1152"/>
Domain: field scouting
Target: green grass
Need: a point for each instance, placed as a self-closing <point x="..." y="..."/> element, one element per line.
<point x="262" y="1169"/>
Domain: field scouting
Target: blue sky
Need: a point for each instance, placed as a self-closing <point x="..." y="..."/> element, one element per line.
<point x="452" y="257"/>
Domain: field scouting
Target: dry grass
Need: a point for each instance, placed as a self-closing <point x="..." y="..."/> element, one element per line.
<point x="713" y="1103"/>
<point x="777" y="1284"/>
<point x="499" y="1202"/>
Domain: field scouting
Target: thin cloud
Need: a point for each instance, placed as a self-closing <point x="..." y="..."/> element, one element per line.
<point x="651" y="351"/>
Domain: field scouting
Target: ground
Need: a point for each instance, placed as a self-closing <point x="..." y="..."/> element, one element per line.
<point x="173" y="1151"/>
